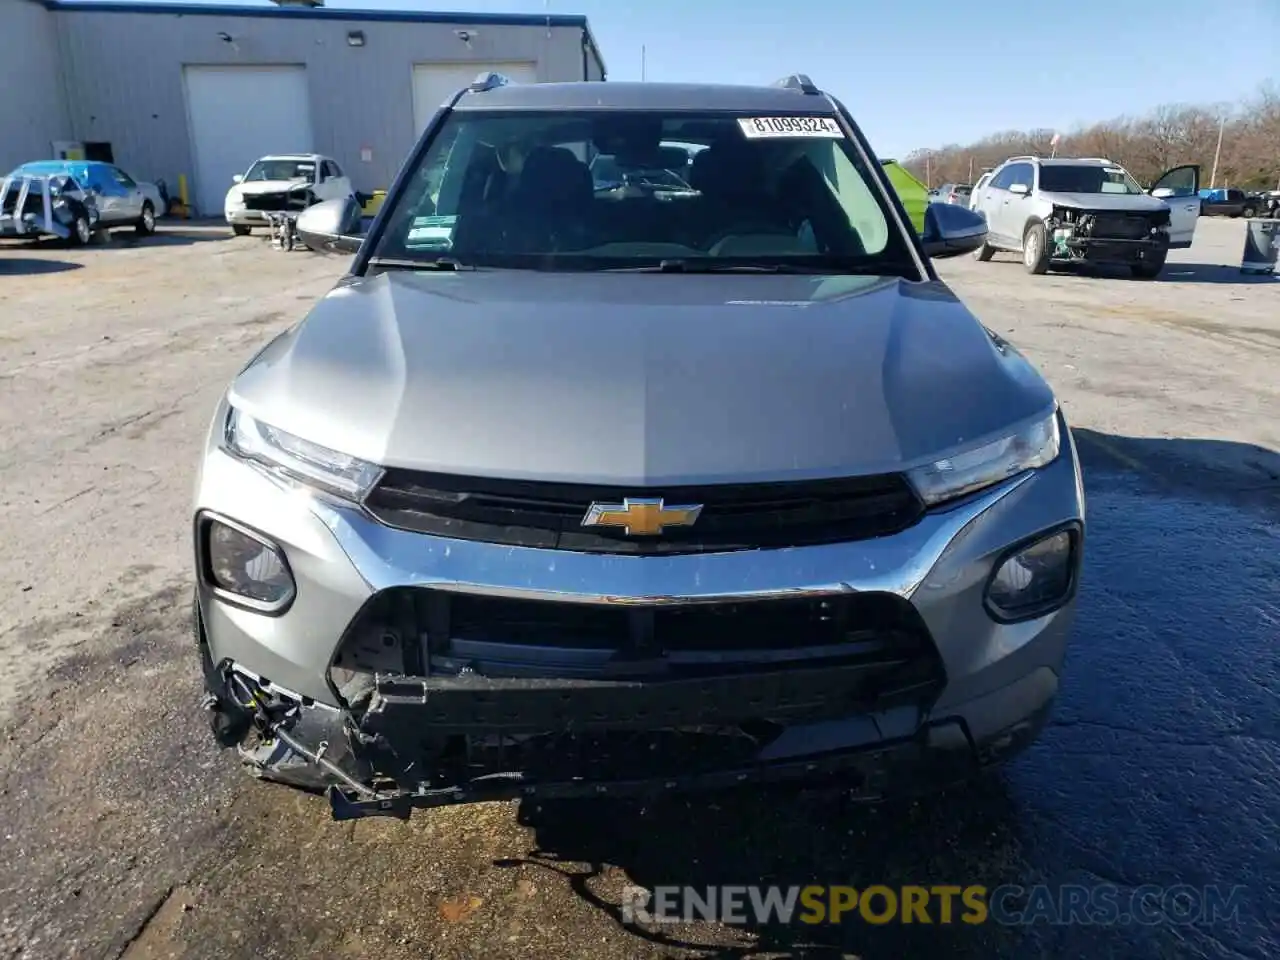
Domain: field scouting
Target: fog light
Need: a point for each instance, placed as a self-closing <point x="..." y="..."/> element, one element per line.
<point x="247" y="567"/>
<point x="1035" y="579"/>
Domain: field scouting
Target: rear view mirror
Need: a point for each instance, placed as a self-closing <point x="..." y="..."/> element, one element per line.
<point x="237" y="178"/>
<point x="950" y="230"/>
<point x="332" y="226"/>
<point x="1019" y="188"/>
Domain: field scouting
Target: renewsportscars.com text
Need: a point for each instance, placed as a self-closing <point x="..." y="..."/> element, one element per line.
<point x="1010" y="905"/>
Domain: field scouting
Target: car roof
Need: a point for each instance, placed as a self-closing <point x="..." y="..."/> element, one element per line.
<point x="293" y="156"/>
<point x="1077" y="162"/>
<point x="59" y="166"/>
<point x="594" y="95"/>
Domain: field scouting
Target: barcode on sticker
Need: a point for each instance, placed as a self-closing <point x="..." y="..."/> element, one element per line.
<point x="756" y="128"/>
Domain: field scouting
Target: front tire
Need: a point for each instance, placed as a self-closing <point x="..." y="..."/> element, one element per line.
<point x="146" y="224"/>
<point x="984" y="252"/>
<point x="1035" y="249"/>
<point x="1148" y="269"/>
<point x="240" y="230"/>
<point x="1248" y="213"/>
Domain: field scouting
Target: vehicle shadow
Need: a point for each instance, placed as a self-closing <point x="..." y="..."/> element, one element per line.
<point x="1172" y="273"/>
<point x="788" y="837"/>
<point x="1101" y="799"/>
<point x="31" y="266"/>
<point x="168" y="235"/>
<point x="1209" y="273"/>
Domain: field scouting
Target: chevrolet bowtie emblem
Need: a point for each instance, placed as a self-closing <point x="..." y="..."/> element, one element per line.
<point x="641" y="518"/>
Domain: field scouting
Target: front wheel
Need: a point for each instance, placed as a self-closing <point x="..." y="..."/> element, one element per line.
<point x="1035" y="249"/>
<point x="984" y="252"/>
<point x="146" y="224"/>
<point x="1248" y="213"/>
<point x="1148" y="269"/>
<point x="240" y="230"/>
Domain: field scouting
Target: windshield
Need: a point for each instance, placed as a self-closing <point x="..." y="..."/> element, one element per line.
<point x="629" y="189"/>
<point x="282" y="170"/>
<point x="1086" y="178"/>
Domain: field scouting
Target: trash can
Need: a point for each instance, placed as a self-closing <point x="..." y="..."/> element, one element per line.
<point x="1261" y="246"/>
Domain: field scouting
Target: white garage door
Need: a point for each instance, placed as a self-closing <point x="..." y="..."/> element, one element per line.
<point x="238" y="114"/>
<point x="434" y="83"/>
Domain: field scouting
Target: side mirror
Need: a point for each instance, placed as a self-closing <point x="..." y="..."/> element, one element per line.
<point x="1021" y="189"/>
<point x="237" y="178"/>
<point x="1161" y="193"/>
<point x="950" y="230"/>
<point x="333" y="226"/>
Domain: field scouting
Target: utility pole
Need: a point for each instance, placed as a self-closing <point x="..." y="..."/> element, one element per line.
<point x="642" y="58"/>
<point x="971" y="168"/>
<point x="928" y="171"/>
<point x="1213" y="177"/>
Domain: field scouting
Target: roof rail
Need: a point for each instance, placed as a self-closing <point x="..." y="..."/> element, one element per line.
<point x="1027" y="156"/>
<point x="488" y="81"/>
<point x="798" y="81"/>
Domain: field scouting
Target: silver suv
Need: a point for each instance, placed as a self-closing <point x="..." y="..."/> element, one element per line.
<point x="1088" y="210"/>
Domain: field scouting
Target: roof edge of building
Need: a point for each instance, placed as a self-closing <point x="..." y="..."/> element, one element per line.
<point x="321" y="13"/>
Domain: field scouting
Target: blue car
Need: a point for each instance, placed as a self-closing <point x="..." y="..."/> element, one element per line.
<point x="121" y="201"/>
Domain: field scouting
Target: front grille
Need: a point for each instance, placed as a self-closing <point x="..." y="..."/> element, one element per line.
<point x="1123" y="226"/>
<point x="416" y="631"/>
<point x="290" y="201"/>
<point x="733" y="517"/>
<point x="794" y="624"/>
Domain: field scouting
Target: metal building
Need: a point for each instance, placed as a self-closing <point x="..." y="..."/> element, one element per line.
<point x="170" y="89"/>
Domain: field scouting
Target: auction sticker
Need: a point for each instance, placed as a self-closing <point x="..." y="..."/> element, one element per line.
<point x="759" y="128"/>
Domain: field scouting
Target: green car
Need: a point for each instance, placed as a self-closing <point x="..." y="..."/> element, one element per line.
<point x="913" y="194"/>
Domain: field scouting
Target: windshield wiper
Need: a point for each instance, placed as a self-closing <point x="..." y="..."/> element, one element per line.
<point x="400" y="263"/>
<point x="822" y="267"/>
<point x="709" y="266"/>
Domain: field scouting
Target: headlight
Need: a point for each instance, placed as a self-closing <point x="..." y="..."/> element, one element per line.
<point x="1036" y="446"/>
<point x="344" y="476"/>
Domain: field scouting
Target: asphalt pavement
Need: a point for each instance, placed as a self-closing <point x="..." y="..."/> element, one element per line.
<point x="126" y="834"/>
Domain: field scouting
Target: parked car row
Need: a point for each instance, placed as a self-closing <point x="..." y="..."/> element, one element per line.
<point x="1234" y="202"/>
<point x="952" y="193"/>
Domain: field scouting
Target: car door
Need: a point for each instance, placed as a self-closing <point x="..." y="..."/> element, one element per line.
<point x="119" y="200"/>
<point x="1014" y="206"/>
<point x="1180" y="189"/>
<point x="340" y="187"/>
<point x="992" y="200"/>
<point x="975" y="197"/>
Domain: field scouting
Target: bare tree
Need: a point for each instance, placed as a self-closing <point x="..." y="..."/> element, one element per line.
<point x="1169" y="136"/>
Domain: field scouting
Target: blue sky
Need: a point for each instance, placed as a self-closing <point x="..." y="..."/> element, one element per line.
<point x="929" y="72"/>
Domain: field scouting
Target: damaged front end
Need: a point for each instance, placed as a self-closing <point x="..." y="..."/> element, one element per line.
<point x="433" y="713"/>
<point x="292" y="200"/>
<point x="1107" y="236"/>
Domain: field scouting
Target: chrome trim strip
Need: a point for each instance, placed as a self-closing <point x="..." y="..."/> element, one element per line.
<point x="386" y="557"/>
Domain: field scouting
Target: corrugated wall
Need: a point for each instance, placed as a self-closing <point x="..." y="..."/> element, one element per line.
<point x="125" y="71"/>
<point x="33" y="103"/>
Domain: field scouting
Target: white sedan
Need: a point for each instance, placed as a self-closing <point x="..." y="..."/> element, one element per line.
<point x="280" y="183"/>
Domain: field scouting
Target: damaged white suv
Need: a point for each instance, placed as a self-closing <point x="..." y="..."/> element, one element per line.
<point x="1056" y="212"/>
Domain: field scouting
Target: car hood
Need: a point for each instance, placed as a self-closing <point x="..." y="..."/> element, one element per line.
<point x="641" y="379"/>
<point x="1126" y="203"/>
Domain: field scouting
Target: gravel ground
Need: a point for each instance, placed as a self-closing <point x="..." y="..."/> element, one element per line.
<point x="126" y="834"/>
